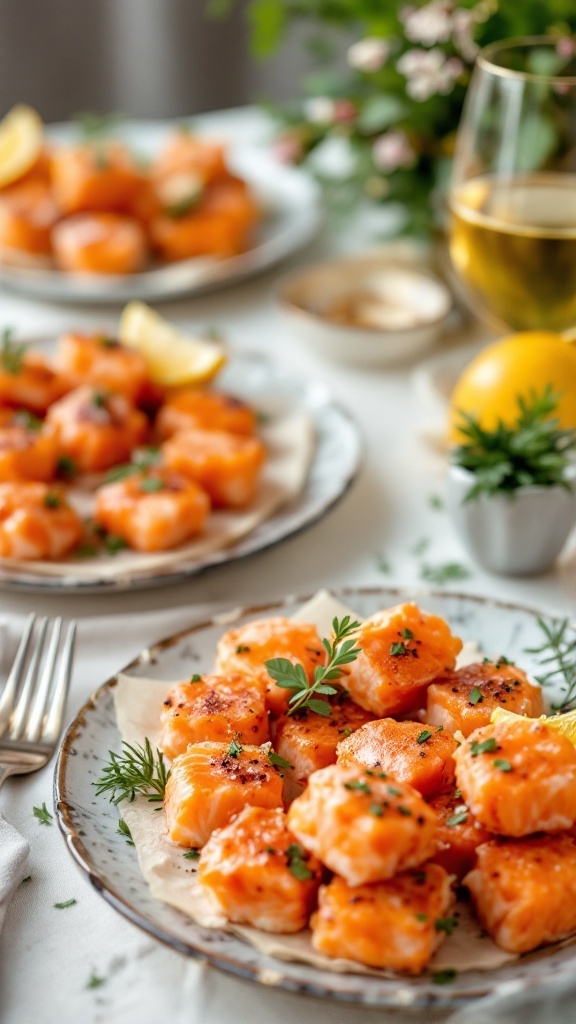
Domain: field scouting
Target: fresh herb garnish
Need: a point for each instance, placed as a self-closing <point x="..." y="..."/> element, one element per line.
<point x="436" y="502"/>
<point x="27" y="421"/>
<point x="407" y="634"/>
<point x="92" y="124"/>
<point x="297" y="863"/>
<point x="11" y="354"/>
<point x="66" y="466"/>
<point x="420" y="546"/>
<point x="137" y="770"/>
<point x="445" y="924"/>
<point x="475" y="696"/>
<point x="43" y="815"/>
<point x="124" y="830"/>
<point x="532" y="451"/>
<point x="66" y="904"/>
<point x="503" y="660"/>
<point x="121" y="472"/>
<point x="196" y="678"/>
<point x="242" y="649"/>
<point x="486" y="747"/>
<point x="340" y="651"/>
<point x="376" y="810"/>
<point x="460" y="818"/>
<point x="234" y="750"/>
<point x="183" y="206"/>
<point x="557" y="656"/>
<point x="277" y="761"/>
<point x="99" y="400"/>
<point x="404" y="810"/>
<point x="95" y="981"/>
<point x="192" y="855"/>
<point x="393" y="791"/>
<point x="398" y="650"/>
<point x="421" y="917"/>
<point x="424" y="735"/>
<point x="114" y="544"/>
<point x="86" y="551"/>
<point x="502" y="764"/>
<point x="356" y="784"/>
<point x="444" y="573"/>
<point x="151" y="484"/>
<point x="444" y="977"/>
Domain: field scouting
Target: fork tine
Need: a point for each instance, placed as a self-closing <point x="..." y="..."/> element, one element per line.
<point x="21" y="709"/>
<point x="53" y="723"/>
<point x="13" y="681"/>
<point x="38" y="706"/>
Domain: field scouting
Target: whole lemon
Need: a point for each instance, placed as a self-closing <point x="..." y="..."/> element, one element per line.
<point x="490" y="385"/>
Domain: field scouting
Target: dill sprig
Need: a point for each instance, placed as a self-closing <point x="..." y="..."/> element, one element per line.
<point x="136" y="770"/>
<point x="557" y="656"/>
<point x="339" y="651"/>
<point x="531" y="451"/>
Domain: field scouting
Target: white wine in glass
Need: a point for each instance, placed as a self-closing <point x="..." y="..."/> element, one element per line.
<point x="512" y="198"/>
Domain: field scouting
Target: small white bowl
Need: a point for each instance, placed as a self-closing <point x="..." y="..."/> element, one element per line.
<point x="404" y="309"/>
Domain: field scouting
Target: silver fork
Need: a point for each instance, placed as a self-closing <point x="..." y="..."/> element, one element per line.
<point x="34" y="697"/>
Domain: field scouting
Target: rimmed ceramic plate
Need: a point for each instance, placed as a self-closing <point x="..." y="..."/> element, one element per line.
<point x="289" y="198"/>
<point x="90" y="825"/>
<point x="333" y="468"/>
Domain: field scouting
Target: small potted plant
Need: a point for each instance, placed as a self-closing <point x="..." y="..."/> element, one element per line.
<point x="511" y="490"/>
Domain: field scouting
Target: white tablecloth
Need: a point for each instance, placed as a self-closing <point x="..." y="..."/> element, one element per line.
<point x="48" y="956"/>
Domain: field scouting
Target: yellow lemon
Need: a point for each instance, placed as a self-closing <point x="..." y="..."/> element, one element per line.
<point x="566" y="724"/>
<point x="21" y="137"/>
<point x="173" y="357"/>
<point x="490" y="384"/>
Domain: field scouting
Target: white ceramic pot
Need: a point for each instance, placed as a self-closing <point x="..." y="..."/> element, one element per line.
<point x="520" y="535"/>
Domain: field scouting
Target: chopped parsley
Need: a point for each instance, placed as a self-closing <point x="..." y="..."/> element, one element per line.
<point x="234" y="750"/>
<point x="475" y="696"/>
<point x="297" y="863"/>
<point x="404" y="810"/>
<point x="486" y="747"/>
<point x="447" y="572"/>
<point x="393" y="791"/>
<point x="66" y="465"/>
<point x="152" y="483"/>
<point x="445" y="924"/>
<point x="398" y="649"/>
<point x="356" y="784"/>
<point x="460" y="818"/>
<point x="51" y="500"/>
<point x="376" y="810"/>
<point x="242" y="649"/>
<point x="94" y="981"/>
<point x="67" y="903"/>
<point x="424" y="735"/>
<point x="114" y="544"/>
<point x="99" y="400"/>
<point x="407" y="634"/>
<point x="277" y="761"/>
<point x="502" y="764"/>
<point x="444" y="977"/>
<point x="421" y="917"/>
<point x="27" y="420"/>
<point x="43" y="815"/>
<point x="192" y="854"/>
<point x="196" y="678"/>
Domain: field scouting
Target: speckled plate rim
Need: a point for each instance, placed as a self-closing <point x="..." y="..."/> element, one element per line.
<point x="403" y="996"/>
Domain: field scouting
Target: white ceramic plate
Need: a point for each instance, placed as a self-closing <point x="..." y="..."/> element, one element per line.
<point x="90" y="824"/>
<point x="334" y="466"/>
<point x="289" y="197"/>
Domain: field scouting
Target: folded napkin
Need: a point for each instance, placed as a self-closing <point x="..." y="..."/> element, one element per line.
<point x="14" y="852"/>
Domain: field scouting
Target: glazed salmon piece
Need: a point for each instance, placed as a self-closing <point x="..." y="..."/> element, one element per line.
<point x="421" y="755"/>
<point x="518" y="777"/>
<point x="245" y="650"/>
<point x="99" y="176"/>
<point x="153" y="511"/>
<point x="27" y="380"/>
<point x="524" y="891"/>
<point x="255" y="872"/>
<point x="100" y="243"/>
<point x="101" y="360"/>
<point x="96" y="428"/>
<point x="186" y="152"/>
<point x="192" y="409"/>
<point x="36" y="522"/>
<point x="402" y="650"/>
<point x="464" y="700"/>
<point x="28" y="451"/>
<point x="308" y="741"/>
<point x="195" y="234"/>
<point x="215" y="708"/>
<point x="226" y="465"/>
<point x="211" y="782"/>
<point x="28" y="214"/>
<point x="458" y="834"/>
<point x="396" y="924"/>
<point x="362" y="824"/>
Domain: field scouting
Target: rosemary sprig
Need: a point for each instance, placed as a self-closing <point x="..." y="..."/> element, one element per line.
<point x="531" y="451"/>
<point x="136" y="770"/>
<point x="557" y="656"/>
<point x="340" y="651"/>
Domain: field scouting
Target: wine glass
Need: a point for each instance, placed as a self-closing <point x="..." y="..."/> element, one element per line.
<point x="512" y="198"/>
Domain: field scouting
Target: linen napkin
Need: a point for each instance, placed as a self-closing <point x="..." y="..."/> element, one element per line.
<point x="14" y="852"/>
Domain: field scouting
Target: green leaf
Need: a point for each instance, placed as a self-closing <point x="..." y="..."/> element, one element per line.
<point x="460" y="818"/>
<point x="380" y="112"/>
<point x="277" y="761"/>
<point x="475" y="696"/>
<point x="446" y="924"/>
<point x="486" y="747"/>
<point x="43" y="815"/>
<point x="424" y="735"/>
<point x="502" y="764"/>
<point x="124" y="830"/>
<point x="235" y="749"/>
<point x="320" y="707"/>
<point x="65" y="905"/>
<point x="297" y="862"/>
<point x="268" y="19"/>
<point x="193" y="854"/>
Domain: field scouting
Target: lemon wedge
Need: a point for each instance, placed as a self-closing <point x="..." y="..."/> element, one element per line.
<point x="173" y="357"/>
<point x="21" y="138"/>
<point x="565" y="724"/>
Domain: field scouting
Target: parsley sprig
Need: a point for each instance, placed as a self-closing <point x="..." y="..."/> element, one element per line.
<point x="557" y="657"/>
<point x="340" y="651"/>
<point x="531" y="451"/>
<point x="136" y="770"/>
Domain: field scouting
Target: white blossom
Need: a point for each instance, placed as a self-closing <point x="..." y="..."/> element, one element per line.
<point x="429" y="72"/>
<point x="393" y="150"/>
<point x="368" y="54"/>
<point x="320" y="110"/>
<point x="429" y="24"/>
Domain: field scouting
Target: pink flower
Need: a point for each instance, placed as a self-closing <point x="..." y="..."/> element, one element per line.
<point x="368" y="54"/>
<point x="393" y="150"/>
<point x="565" y="47"/>
<point x="344" y="110"/>
<point x="429" y="72"/>
<point x="288" y="149"/>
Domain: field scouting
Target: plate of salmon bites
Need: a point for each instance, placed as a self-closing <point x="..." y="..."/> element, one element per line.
<point x="108" y="210"/>
<point x="137" y="458"/>
<point x="365" y="796"/>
